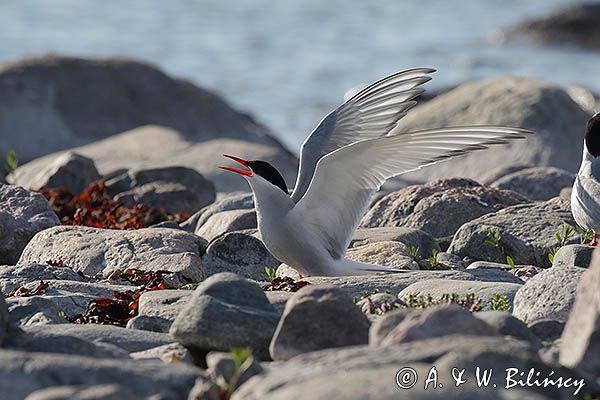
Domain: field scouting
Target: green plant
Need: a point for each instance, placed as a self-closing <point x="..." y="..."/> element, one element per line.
<point x="62" y="314"/>
<point x="269" y="274"/>
<point x="414" y="253"/>
<point x="243" y="359"/>
<point x="563" y="239"/>
<point x="499" y="303"/>
<point x="12" y="163"/>
<point x="584" y="234"/>
<point x="469" y="301"/>
<point x="493" y="239"/>
<point x="432" y="260"/>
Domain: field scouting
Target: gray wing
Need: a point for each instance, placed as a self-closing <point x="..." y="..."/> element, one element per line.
<point x="345" y="179"/>
<point x="373" y="112"/>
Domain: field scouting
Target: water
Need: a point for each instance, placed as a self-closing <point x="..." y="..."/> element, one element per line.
<point x="289" y="62"/>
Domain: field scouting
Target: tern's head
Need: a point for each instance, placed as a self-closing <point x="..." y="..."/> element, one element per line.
<point x="592" y="135"/>
<point x="258" y="168"/>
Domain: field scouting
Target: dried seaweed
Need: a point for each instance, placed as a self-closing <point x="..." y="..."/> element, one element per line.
<point x="285" y="283"/>
<point x="23" y="291"/>
<point x="96" y="208"/>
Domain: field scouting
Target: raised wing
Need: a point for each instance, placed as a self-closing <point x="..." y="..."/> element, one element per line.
<point x="373" y="112"/>
<point x="346" y="179"/>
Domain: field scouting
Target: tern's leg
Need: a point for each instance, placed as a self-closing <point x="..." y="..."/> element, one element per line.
<point x="594" y="241"/>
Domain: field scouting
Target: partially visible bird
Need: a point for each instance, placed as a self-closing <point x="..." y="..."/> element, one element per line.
<point x="343" y="162"/>
<point x="585" y="196"/>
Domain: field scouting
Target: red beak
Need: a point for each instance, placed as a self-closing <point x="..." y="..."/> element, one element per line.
<point x="246" y="172"/>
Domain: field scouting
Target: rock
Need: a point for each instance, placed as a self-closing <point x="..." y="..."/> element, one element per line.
<point x="547" y="330"/>
<point x="12" y="277"/>
<point x="527" y="233"/>
<point x="420" y="240"/>
<point x="496" y="173"/>
<point x="378" y="303"/>
<point x="22" y="215"/>
<point x="538" y="183"/>
<point x="526" y="272"/>
<point x="565" y="193"/>
<point x="225" y="222"/>
<point x="450" y="261"/>
<point x="167" y="353"/>
<point x="442" y="320"/>
<point x="505" y="324"/>
<point x="152" y="146"/>
<point x="70" y="170"/>
<point x="391" y="254"/>
<point x="488" y="292"/>
<point x="278" y="299"/>
<point x="222" y="366"/>
<point x="575" y="25"/>
<point x="581" y="338"/>
<point x="240" y="253"/>
<point x="3" y="319"/>
<point x="381" y="327"/>
<point x="22" y="373"/>
<point x="158" y="309"/>
<point x="360" y="371"/>
<point x="173" y="197"/>
<point x="52" y="103"/>
<point x="509" y="101"/>
<point x="95" y="392"/>
<point x="438" y="208"/>
<point x="523" y="272"/>
<point x="573" y="255"/>
<point x="315" y="318"/>
<point x="130" y="340"/>
<point x="226" y="311"/>
<point x="234" y="201"/>
<point x="549" y="294"/>
<point x="102" y="251"/>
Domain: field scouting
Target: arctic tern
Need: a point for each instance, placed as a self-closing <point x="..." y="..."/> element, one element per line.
<point x="585" y="196"/>
<point x="343" y="162"/>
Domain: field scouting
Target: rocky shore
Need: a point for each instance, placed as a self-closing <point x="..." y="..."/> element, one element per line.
<point x="132" y="268"/>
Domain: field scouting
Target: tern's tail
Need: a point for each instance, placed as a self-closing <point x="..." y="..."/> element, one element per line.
<point x="349" y="267"/>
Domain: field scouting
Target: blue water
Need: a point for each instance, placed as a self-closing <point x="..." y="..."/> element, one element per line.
<point x="289" y="62"/>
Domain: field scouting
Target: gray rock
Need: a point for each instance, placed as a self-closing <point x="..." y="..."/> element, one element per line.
<point x="505" y="324"/>
<point x="3" y="319"/>
<point x="360" y="371"/>
<point x="436" y="321"/>
<point x="450" y="261"/>
<point x="226" y="311"/>
<point x="70" y="170"/>
<point x="315" y="318"/>
<point x="381" y="327"/>
<point x="158" y="309"/>
<point x="222" y="366"/>
<point x="573" y="255"/>
<point x="537" y="183"/>
<point x="93" y="251"/>
<point x="547" y="330"/>
<point x="378" y="303"/>
<point x="205" y="389"/>
<point x="173" y="197"/>
<point x="167" y="353"/>
<point x="227" y="221"/>
<point x="147" y="323"/>
<point x="484" y="291"/>
<point x="422" y="241"/>
<point x="152" y="146"/>
<point x="549" y="294"/>
<point x="396" y="282"/>
<point x="278" y="299"/>
<point x="496" y="173"/>
<point x="93" y="392"/>
<point x="523" y="272"/>
<point x="239" y="253"/>
<point x="438" y="208"/>
<point x="574" y="25"/>
<point x="508" y="101"/>
<point x="233" y="201"/>
<point x="581" y="338"/>
<point x="12" y="277"/>
<point x="527" y="233"/>
<point x="130" y="340"/>
<point x="526" y="272"/>
<point x="22" y="215"/>
<point x="50" y="103"/>
<point x="22" y="373"/>
<point x="391" y="254"/>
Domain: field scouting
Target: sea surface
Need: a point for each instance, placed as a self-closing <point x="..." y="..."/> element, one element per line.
<point x="290" y="62"/>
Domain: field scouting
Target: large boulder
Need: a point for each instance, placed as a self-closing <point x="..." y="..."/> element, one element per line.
<point x="423" y="242"/>
<point x="316" y="318"/>
<point x="581" y="338"/>
<point x="154" y="146"/>
<point x="102" y="251"/>
<point x="510" y="101"/>
<point x="53" y="102"/>
<point x="527" y="233"/>
<point x="226" y="311"/>
<point x="22" y="215"/>
<point x="439" y="208"/>
<point x="538" y="183"/>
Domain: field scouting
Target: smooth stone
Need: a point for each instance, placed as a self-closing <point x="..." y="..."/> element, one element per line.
<point x="102" y="251"/>
<point x="228" y="202"/>
<point x="547" y="330"/>
<point x="172" y="197"/>
<point x="505" y="324"/>
<point x="573" y="255"/>
<point x="92" y="392"/>
<point x="536" y="183"/>
<point x="580" y="341"/>
<point x="391" y="254"/>
<point x="225" y="222"/>
<point x="222" y="366"/>
<point x="168" y="353"/>
<point x="381" y="327"/>
<point x="411" y="237"/>
<point x="548" y="295"/>
<point x="12" y="277"/>
<point x="22" y="215"/>
<point x="527" y="232"/>
<point x="225" y="311"/>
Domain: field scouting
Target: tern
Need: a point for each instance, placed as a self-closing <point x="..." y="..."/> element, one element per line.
<point x="585" y="196"/>
<point x="343" y="162"/>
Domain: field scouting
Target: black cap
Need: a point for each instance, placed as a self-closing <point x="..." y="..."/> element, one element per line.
<point x="592" y="135"/>
<point x="268" y="172"/>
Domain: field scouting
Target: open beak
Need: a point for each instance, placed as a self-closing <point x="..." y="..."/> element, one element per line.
<point x="246" y="172"/>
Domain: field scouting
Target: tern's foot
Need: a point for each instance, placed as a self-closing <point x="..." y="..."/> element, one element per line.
<point x="594" y="241"/>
